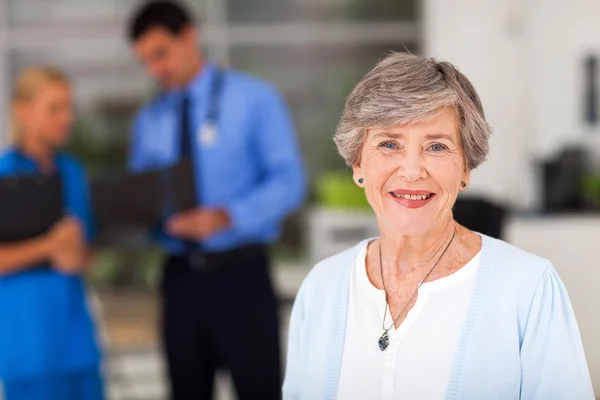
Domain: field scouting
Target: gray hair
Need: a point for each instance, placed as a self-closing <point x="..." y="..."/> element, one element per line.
<point x="404" y="89"/>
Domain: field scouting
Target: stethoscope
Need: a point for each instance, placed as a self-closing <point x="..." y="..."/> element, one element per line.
<point x="208" y="132"/>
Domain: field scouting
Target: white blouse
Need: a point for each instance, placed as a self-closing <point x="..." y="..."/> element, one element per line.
<point x="417" y="363"/>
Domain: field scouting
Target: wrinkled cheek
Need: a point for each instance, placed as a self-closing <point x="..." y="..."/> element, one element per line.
<point x="375" y="199"/>
<point x="446" y="202"/>
<point x="377" y="170"/>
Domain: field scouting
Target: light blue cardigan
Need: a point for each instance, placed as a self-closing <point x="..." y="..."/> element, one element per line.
<point x="520" y="339"/>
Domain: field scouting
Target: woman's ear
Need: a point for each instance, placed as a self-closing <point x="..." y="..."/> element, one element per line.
<point x="357" y="175"/>
<point x="465" y="180"/>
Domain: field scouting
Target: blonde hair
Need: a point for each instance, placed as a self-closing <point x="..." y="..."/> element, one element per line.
<point x="27" y="86"/>
<point x="403" y="89"/>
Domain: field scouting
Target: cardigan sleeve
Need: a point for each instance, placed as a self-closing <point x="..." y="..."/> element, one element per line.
<point x="552" y="357"/>
<point x="293" y="369"/>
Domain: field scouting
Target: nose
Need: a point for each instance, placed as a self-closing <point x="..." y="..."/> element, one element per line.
<point x="411" y="167"/>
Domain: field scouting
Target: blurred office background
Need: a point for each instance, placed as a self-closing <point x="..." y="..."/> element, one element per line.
<point x="534" y="64"/>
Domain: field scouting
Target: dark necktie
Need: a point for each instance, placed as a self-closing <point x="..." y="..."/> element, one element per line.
<point x="186" y="139"/>
<point x="186" y="143"/>
<point x="185" y="128"/>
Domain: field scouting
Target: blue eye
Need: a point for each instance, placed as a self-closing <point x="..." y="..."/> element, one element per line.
<point x="388" y="145"/>
<point x="437" y="147"/>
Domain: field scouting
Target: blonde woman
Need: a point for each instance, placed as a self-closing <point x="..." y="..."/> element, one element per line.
<point x="48" y="348"/>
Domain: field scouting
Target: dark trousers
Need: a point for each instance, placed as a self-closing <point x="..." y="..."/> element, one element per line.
<point x="221" y="316"/>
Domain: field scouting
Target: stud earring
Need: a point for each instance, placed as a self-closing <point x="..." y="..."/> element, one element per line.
<point x="463" y="184"/>
<point x="360" y="180"/>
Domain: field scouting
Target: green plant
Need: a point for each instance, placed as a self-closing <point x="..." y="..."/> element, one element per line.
<point x="589" y="186"/>
<point x="336" y="189"/>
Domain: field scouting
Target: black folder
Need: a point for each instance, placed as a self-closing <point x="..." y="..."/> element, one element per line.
<point x="29" y="206"/>
<point x="143" y="200"/>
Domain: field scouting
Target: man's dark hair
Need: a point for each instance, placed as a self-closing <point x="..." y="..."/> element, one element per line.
<point x="168" y="15"/>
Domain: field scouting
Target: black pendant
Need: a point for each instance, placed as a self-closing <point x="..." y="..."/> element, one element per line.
<point x="384" y="341"/>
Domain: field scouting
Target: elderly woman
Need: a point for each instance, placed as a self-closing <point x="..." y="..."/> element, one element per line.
<point x="429" y="310"/>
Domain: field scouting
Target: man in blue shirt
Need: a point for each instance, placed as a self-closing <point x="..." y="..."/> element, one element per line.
<point x="219" y="304"/>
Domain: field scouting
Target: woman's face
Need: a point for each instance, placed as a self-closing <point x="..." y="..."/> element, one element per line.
<point x="49" y="115"/>
<point x="412" y="174"/>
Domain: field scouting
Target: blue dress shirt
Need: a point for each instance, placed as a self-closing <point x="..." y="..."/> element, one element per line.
<point x="251" y="167"/>
<point x="45" y="325"/>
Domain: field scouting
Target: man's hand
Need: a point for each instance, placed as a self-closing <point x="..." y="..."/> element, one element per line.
<point x="198" y="224"/>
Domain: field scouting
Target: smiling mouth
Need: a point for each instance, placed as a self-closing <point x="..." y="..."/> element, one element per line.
<point x="412" y="196"/>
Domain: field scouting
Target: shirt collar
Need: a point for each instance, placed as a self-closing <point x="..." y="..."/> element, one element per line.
<point x="199" y="86"/>
<point x="24" y="161"/>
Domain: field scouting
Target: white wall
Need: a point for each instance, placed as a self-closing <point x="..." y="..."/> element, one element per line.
<point x="561" y="32"/>
<point x="480" y="38"/>
<point x="525" y="59"/>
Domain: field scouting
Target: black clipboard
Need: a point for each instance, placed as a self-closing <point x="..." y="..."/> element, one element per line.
<point x="29" y="206"/>
<point x="143" y="200"/>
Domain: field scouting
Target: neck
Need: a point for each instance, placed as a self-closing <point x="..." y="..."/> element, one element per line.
<point x="41" y="153"/>
<point x="407" y="253"/>
<point x="197" y="66"/>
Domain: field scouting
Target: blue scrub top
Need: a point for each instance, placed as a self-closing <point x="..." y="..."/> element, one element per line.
<point x="45" y="323"/>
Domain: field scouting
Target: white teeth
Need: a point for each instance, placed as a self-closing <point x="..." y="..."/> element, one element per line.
<point x="413" y="196"/>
